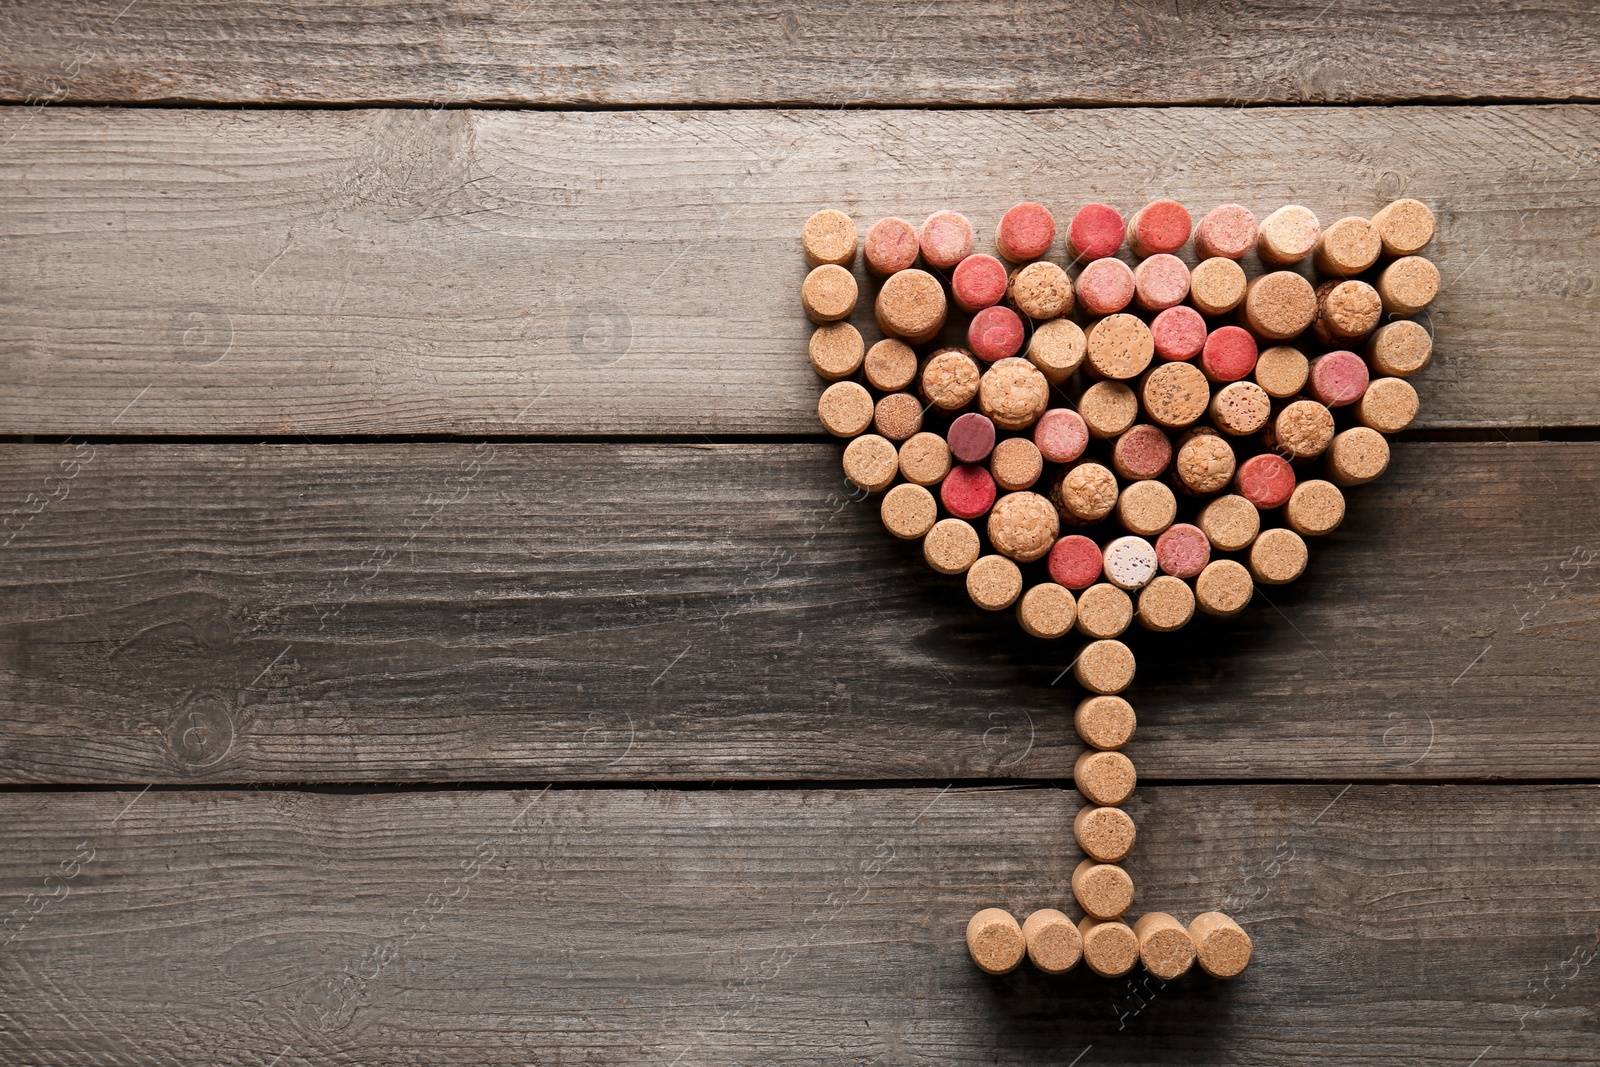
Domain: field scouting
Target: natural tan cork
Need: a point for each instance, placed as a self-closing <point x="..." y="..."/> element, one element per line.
<point x="1023" y="526"/>
<point x="1302" y="429"/>
<point x="1084" y="494"/>
<point x="1230" y="523"/>
<point x="1104" y="667"/>
<point x="871" y="462"/>
<point x="1408" y="285"/>
<point x="995" y="941"/>
<point x="1205" y="462"/>
<point x="1166" y="604"/>
<point x="1105" y="722"/>
<point x="1279" y="306"/>
<point x="1216" y="286"/>
<point x="1347" y="248"/>
<point x="1056" y="348"/>
<point x="1040" y="291"/>
<point x="1103" y="890"/>
<point x="845" y="409"/>
<point x="1175" y="394"/>
<point x="1347" y="312"/>
<point x="1109" y="948"/>
<point x="1278" y="557"/>
<point x="994" y="583"/>
<point x="951" y="547"/>
<point x="925" y="459"/>
<point x="829" y="236"/>
<point x="1399" y="349"/>
<point x="1388" y="405"/>
<point x="890" y="365"/>
<point x="1287" y="235"/>
<point x="1104" y="834"/>
<point x="1108" y="408"/>
<point x="909" y="511"/>
<point x="828" y="294"/>
<point x="897" y="416"/>
<point x="1223" y="588"/>
<point x="1013" y="393"/>
<point x="1047" y="610"/>
<point x="1315" y="507"/>
<point x="1016" y="464"/>
<point x="1054" y="944"/>
<point x="1221" y="946"/>
<point x="1240" y="408"/>
<point x="1118" y="346"/>
<point x="950" y="378"/>
<point x="1164" y="945"/>
<point x="911" y="305"/>
<point x="1146" y="508"/>
<point x="1357" y="456"/>
<point x="1105" y="778"/>
<point x="1104" y="611"/>
<point x="1281" y="371"/>
<point x="836" y="350"/>
<point x="1405" y="226"/>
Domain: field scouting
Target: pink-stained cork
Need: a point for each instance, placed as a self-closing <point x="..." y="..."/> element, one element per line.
<point x="1338" y="378"/>
<point x="1025" y="232"/>
<point x="1267" y="481"/>
<point x="945" y="238"/>
<point x="995" y="333"/>
<point x="979" y="281"/>
<point x="1141" y="452"/>
<point x="1096" y="232"/>
<point x="967" y="492"/>
<point x="1183" y="550"/>
<point x="890" y="246"/>
<point x="1229" y="354"/>
<point x="1159" y="226"/>
<point x="1105" y="287"/>
<point x="1160" y="282"/>
<point x="1075" y="562"/>
<point x="971" y="438"/>
<point x="1228" y="231"/>
<point x="1179" y="333"/>
<point x="1061" y="435"/>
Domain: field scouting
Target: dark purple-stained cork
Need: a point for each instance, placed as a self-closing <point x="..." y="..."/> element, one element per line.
<point x="971" y="438"/>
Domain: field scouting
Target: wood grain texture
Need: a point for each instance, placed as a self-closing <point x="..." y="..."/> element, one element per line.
<point x="830" y="53"/>
<point x="1391" y="924"/>
<point x="627" y="612"/>
<point x="501" y="272"/>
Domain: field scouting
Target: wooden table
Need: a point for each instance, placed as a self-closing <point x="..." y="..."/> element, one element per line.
<point x="434" y="631"/>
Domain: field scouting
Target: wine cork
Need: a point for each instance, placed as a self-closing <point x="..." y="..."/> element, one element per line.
<point x="829" y="293"/>
<point x="1228" y="231"/>
<point x="908" y="511"/>
<point x="951" y="547"/>
<point x="1166" y="604"/>
<point x="1105" y="778"/>
<point x="1223" y="588"/>
<point x="1160" y="282"/>
<point x="1108" y="408"/>
<point x="1346" y="312"/>
<point x="1221" y="946"/>
<point x="1026" y="231"/>
<point x="967" y="492"/>
<point x="1105" y="667"/>
<point x="1142" y="452"/>
<point x="1388" y="405"/>
<point x="845" y="409"/>
<point x="910" y="306"/>
<point x="871" y="462"/>
<point x="1146" y="508"/>
<point x="1404" y="227"/>
<point x="836" y="350"/>
<point x="1040" y="291"/>
<point x="1103" y="890"/>
<point x="1075" y="562"/>
<point x="945" y="239"/>
<point x="1023" y="526"/>
<point x="897" y="416"/>
<point x="1229" y="354"/>
<point x="1016" y="464"/>
<point x="1282" y="371"/>
<point x="1178" y="333"/>
<point x="1105" y="287"/>
<point x="924" y="459"/>
<point x="949" y="379"/>
<point x="1054" y="944"/>
<point x="995" y="941"/>
<point x="1205" y="463"/>
<point x="1084" y="494"/>
<point x="1061" y="435"/>
<point x="1279" y="306"/>
<point x="1056" y="348"/>
<point x="890" y="365"/>
<point x="829" y="236"/>
<point x="1357" y="456"/>
<point x="979" y="281"/>
<point x="890" y="246"/>
<point x="1106" y="723"/>
<point x="1130" y="563"/>
<point x="1278" y="557"/>
<point x="1302" y="429"/>
<point x="1160" y="226"/>
<point x="1047" y="610"/>
<point x="1105" y="835"/>
<point x="1164" y="945"/>
<point x="1183" y="550"/>
<point x="995" y="333"/>
<point x="1314" y="508"/>
<point x="1216" y="286"/>
<point x="971" y="437"/>
<point x="1119" y="347"/>
<point x="1347" y="248"/>
<point x="1110" y="949"/>
<point x="1338" y="378"/>
<point x="1013" y="393"/>
<point x="1230" y="523"/>
<point x="1095" y="232"/>
<point x="1408" y="285"/>
<point x="1400" y="349"/>
<point x="1240" y="408"/>
<point x="1287" y="235"/>
<point x="1104" y="611"/>
<point x="994" y="583"/>
<point x="1175" y="394"/>
<point x="1265" y="480"/>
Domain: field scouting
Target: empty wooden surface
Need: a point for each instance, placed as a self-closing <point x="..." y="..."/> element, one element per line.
<point x="217" y="272"/>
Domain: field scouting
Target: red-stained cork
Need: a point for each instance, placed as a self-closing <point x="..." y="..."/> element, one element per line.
<point x="1228" y="231"/>
<point x="1338" y="378"/>
<point x="1159" y="226"/>
<point x="995" y="333"/>
<point x="1061" y="435"/>
<point x="1266" y="481"/>
<point x="945" y="238"/>
<point x="1160" y="282"/>
<point x="1025" y="232"/>
<point x="1095" y="232"/>
<point x="1179" y="333"/>
<point x="1105" y="287"/>
<point x="1141" y="452"/>
<point x="890" y="246"/>
<point x="1183" y="550"/>
<point x="971" y="438"/>
<point x="1229" y="354"/>
<point x="967" y="492"/>
<point x="979" y="281"/>
<point x="1075" y="562"/>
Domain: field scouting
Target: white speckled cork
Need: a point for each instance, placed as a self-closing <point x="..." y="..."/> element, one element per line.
<point x="1103" y="890"/>
<point x="995" y="941"/>
<point x="845" y="409"/>
<point x="1106" y="835"/>
<point x="871" y="462"/>
<point x="1054" y="944"/>
<point x="828" y="294"/>
<point x="1130" y="563"/>
<point x="1109" y="948"/>
<point x="994" y="583"/>
<point x="951" y="547"/>
<point x="1105" y="722"/>
<point x="1164" y="945"/>
<point x="1047" y="610"/>
<point x="1287" y="235"/>
<point x="1399" y="349"/>
<point x="1104" y="667"/>
<point x="1221" y="946"/>
<point x="1405" y="226"/>
<point x="829" y="236"/>
<point x="1223" y="588"/>
<point x="909" y="511"/>
<point x="1105" y="778"/>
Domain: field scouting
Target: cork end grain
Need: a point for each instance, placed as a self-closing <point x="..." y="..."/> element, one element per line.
<point x="1108" y="408"/>
<point x="924" y="459"/>
<point x="1104" y="891"/>
<point x="1230" y="523"/>
<point x="1165" y="947"/>
<point x="1105" y="778"/>
<point x="949" y="379"/>
<point x="1104" y="611"/>
<point x="995" y="941"/>
<point x="910" y="306"/>
<point x="1026" y="231"/>
<point x="829" y="293"/>
<point x="1166" y="604"/>
<point x="1161" y="226"/>
<point x="1277" y="557"/>
<point x="1357" y="456"/>
<point x="909" y="511"/>
<point x="1179" y="333"/>
<point x="1302" y="429"/>
<point x="890" y="246"/>
<point x="1023" y="526"/>
<point x="1346" y="312"/>
<point x="945" y="238"/>
<point x="1130" y="564"/>
<point x="1146" y="508"/>
<point x="1338" y="378"/>
<point x="829" y="236"/>
<point x="1222" y="948"/>
<point x="951" y="547"/>
<point x="1217" y="286"/>
<point x="1160" y="282"/>
<point x="1348" y="247"/>
<point x="890" y="365"/>
<point x="1016" y="464"/>
<point x="1408" y="285"/>
<point x="1287" y="235"/>
<point x="1105" y="835"/>
<point x="1279" y="306"/>
<point x="1388" y="405"/>
<point x="1047" y="611"/>
<point x="1013" y="393"/>
<point x="1223" y="588"/>
<point x="871" y="462"/>
<point x="1075" y="562"/>
<point x="1105" y="287"/>
<point x="1229" y="354"/>
<point x="845" y="409"/>
<point x="1104" y="722"/>
<point x="1110" y="949"/>
<point x="898" y="416"/>
<point x="1265" y="480"/>
<point x="1205" y="463"/>
<point x="1040" y="291"/>
<point x="978" y="282"/>
<point x="1105" y="667"/>
<point x="1400" y="349"/>
<point x="1142" y="452"/>
<point x="994" y="583"/>
<point x="1240" y="408"/>
<point x="1054" y="944"/>
<point x="1315" y="508"/>
<point x="1228" y="232"/>
<point x="1061" y="435"/>
<point x="995" y="333"/>
<point x="1183" y="550"/>
<point x="1118" y="347"/>
<point x="1175" y="395"/>
<point x="1282" y="371"/>
<point x="1057" y="349"/>
<point x="1095" y="232"/>
<point x="1084" y="494"/>
<point x="1404" y="227"/>
<point x="968" y="491"/>
<point x="836" y="351"/>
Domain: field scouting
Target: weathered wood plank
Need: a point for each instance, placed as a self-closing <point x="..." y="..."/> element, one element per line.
<point x="626" y="612"/>
<point x="831" y="53"/>
<point x="501" y="272"/>
<point x="1391" y="924"/>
